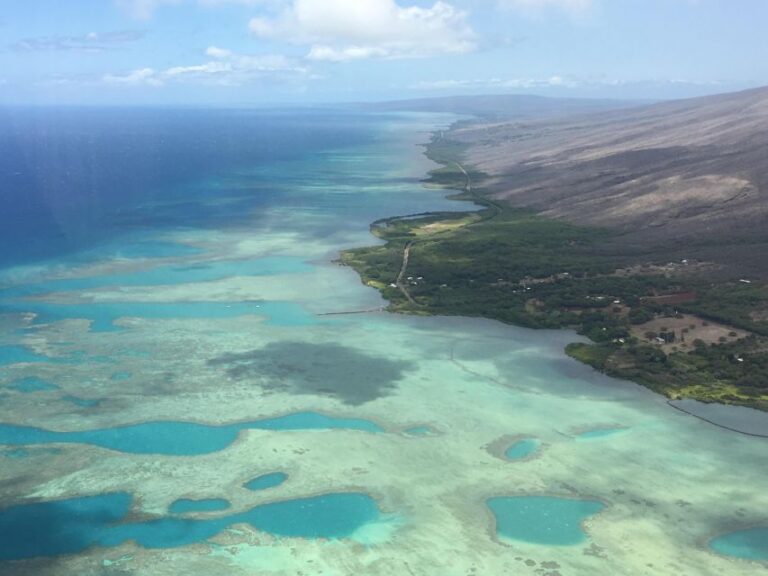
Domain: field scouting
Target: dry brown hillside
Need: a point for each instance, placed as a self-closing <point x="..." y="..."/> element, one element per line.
<point x="680" y="178"/>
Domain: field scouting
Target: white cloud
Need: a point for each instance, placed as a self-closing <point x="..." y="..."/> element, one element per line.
<point x="338" y="30"/>
<point x="226" y="68"/>
<point x="331" y="54"/>
<point x="137" y="77"/>
<point x="215" y="52"/>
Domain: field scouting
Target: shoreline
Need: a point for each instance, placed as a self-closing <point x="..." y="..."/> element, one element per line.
<point x="441" y="177"/>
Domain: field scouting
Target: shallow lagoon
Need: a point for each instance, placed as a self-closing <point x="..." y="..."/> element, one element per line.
<point x="543" y="519"/>
<point x="599" y="433"/>
<point x="751" y="544"/>
<point x="266" y="481"/>
<point x="71" y="526"/>
<point x="203" y="352"/>
<point x="32" y="384"/>
<point x="523" y="448"/>
<point x="17" y="354"/>
<point x="177" y="438"/>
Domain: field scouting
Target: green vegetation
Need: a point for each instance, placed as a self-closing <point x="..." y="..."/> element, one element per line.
<point x="734" y="303"/>
<point x="734" y="373"/>
<point x="521" y="268"/>
<point x="595" y="356"/>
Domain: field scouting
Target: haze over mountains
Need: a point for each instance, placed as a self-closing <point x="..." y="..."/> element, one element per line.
<point x="685" y="178"/>
<point x="506" y="106"/>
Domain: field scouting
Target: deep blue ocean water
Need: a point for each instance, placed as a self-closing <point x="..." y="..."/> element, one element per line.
<point x="76" y="179"/>
<point x="96" y="198"/>
<point x="160" y="199"/>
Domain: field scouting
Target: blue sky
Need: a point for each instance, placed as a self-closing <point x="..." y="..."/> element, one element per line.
<point x="241" y="52"/>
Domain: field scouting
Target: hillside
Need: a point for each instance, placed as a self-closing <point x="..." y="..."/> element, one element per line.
<point x="644" y="229"/>
<point x="684" y="179"/>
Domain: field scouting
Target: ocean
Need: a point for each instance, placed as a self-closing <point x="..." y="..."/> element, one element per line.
<point x="74" y="178"/>
<point x="165" y="282"/>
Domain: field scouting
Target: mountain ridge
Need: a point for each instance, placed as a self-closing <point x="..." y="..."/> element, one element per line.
<point x="687" y="177"/>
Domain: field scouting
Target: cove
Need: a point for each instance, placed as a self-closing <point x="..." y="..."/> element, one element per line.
<point x="751" y="544"/>
<point x="543" y="519"/>
<point x="522" y="449"/>
<point x="177" y="438"/>
<point x="266" y="481"/>
<point x="72" y="526"/>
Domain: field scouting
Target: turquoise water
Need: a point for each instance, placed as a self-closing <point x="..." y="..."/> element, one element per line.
<point x="266" y="481"/>
<point x="543" y="519"/>
<point x="200" y="271"/>
<point x="315" y="421"/>
<point x="177" y="438"/>
<point x="32" y="384"/>
<point x="522" y="449"/>
<point x="477" y="380"/>
<point x="143" y="249"/>
<point x="120" y="376"/>
<point x="71" y="526"/>
<point x="16" y="453"/>
<point x="184" y="505"/>
<point x="597" y="433"/>
<point x="17" y="354"/>
<point x="751" y="544"/>
<point x="103" y="314"/>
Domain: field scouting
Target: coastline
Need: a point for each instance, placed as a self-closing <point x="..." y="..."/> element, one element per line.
<point x="471" y="380"/>
<point x="403" y="233"/>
